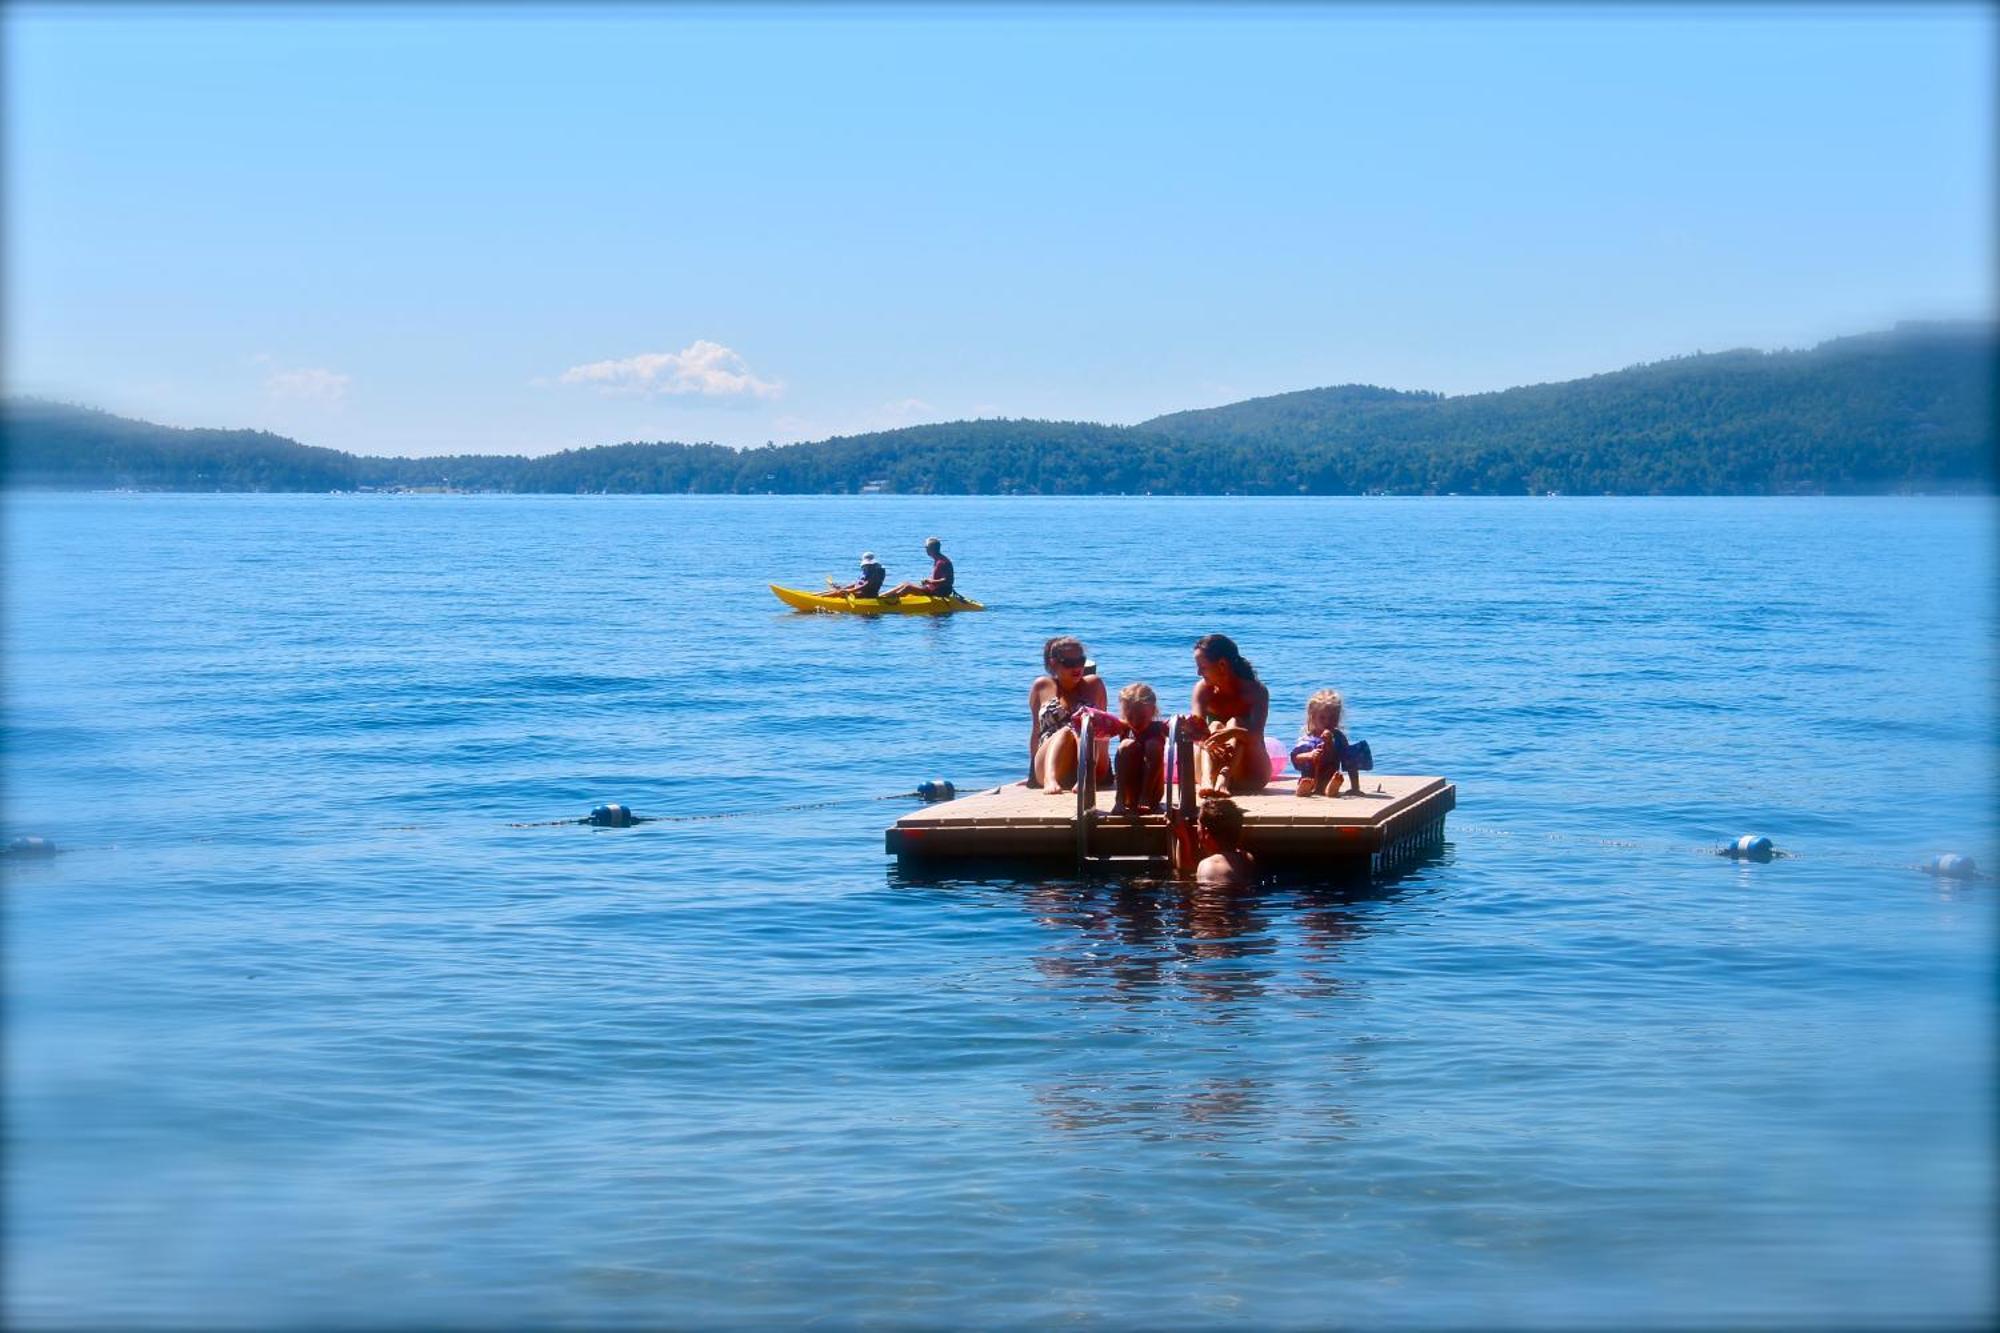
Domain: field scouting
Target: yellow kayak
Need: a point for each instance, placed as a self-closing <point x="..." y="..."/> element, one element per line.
<point x="915" y="604"/>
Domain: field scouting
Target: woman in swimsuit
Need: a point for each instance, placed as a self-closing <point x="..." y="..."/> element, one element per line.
<point x="1230" y="708"/>
<point x="1051" y="700"/>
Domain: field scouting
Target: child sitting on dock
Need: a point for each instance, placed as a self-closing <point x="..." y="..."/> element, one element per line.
<point x="1224" y="864"/>
<point x="1141" y="762"/>
<point x="1324" y="753"/>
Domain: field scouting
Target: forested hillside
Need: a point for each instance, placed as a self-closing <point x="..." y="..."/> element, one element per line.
<point x="1908" y="410"/>
<point x="60" y="446"/>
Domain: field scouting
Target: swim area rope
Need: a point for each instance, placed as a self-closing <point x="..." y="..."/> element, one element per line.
<point x="1945" y="865"/>
<point x="1949" y="865"/>
<point x="615" y="816"/>
<point x="1746" y="848"/>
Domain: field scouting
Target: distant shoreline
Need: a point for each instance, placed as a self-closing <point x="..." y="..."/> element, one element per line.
<point x="1900" y="412"/>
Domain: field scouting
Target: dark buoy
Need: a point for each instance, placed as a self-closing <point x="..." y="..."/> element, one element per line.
<point x="937" y="789"/>
<point x="31" y="847"/>
<point x="1953" y="866"/>
<point x="611" y="816"/>
<point x="1750" y="847"/>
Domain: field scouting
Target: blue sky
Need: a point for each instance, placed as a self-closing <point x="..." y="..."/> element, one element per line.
<point x="417" y="231"/>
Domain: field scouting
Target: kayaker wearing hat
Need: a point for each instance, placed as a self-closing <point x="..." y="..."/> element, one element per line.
<point x="939" y="584"/>
<point x="868" y="585"/>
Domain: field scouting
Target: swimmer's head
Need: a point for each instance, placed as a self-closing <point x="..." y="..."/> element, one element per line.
<point x="1222" y="820"/>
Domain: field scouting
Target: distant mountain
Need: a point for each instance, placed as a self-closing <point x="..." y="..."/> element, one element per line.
<point x="1906" y="410"/>
<point x="55" y="445"/>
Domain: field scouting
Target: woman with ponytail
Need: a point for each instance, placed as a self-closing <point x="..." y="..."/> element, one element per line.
<point x="1229" y="711"/>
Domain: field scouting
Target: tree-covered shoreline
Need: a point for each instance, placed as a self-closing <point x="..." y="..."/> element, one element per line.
<point x="1903" y="411"/>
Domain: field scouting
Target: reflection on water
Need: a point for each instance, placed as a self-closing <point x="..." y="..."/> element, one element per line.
<point x="1146" y="941"/>
<point x="1142" y="940"/>
<point x="1212" y="1109"/>
<point x="1211" y="962"/>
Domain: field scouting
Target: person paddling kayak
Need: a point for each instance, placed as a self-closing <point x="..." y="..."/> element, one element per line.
<point x="939" y="584"/>
<point x="868" y="585"/>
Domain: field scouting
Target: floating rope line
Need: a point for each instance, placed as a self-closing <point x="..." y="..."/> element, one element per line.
<point x="1626" y="844"/>
<point x="1946" y="865"/>
<point x="1949" y="865"/>
<point x="1749" y="847"/>
<point x="598" y="818"/>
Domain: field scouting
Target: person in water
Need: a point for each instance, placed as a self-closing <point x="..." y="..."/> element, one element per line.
<point x="941" y="581"/>
<point x="1224" y="863"/>
<point x="1069" y="685"/>
<point x="1141" y="767"/>
<point x="1324" y="753"/>
<point x="868" y="585"/>
<point x="1230" y="708"/>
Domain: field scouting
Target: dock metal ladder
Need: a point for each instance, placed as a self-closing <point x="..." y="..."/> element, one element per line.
<point x="1086" y="788"/>
<point x="1181" y="805"/>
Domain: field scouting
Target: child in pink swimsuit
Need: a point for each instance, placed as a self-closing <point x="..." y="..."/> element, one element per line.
<point x="1141" y="761"/>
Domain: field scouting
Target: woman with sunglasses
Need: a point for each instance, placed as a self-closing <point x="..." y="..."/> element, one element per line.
<point x="1070" y="684"/>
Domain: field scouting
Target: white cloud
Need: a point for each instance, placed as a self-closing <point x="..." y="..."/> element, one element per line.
<point x="312" y="385"/>
<point x="703" y="368"/>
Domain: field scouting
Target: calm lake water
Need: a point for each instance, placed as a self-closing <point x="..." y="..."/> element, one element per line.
<point x="305" y="1031"/>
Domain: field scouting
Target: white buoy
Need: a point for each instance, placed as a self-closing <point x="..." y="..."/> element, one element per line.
<point x="1953" y="866"/>
<point x="1750" y="847"/>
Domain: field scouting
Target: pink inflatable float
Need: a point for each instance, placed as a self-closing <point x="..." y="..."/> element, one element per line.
<point x="1281" y="759"/>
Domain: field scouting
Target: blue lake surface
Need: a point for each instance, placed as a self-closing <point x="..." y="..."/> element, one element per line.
<point x="303" y="1030"/>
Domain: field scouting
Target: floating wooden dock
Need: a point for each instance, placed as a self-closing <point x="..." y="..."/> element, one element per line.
<point x="1396" y="818"/>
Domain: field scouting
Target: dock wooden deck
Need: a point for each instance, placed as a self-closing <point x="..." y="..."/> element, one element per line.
<point x="1342" y="833"/>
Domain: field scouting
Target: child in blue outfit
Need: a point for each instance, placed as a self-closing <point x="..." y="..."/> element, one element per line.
<point x="1324" y="753"/>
